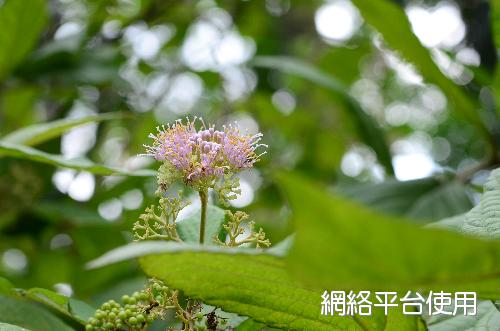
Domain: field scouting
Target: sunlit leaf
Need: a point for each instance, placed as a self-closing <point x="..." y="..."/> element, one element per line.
<point x="11" y="327"/>
<point x="143" y="248"/>
<point x="260" y="287"/>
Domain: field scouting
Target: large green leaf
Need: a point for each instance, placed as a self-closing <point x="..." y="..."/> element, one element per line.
<point x="38" y="133"/>
<point x="399" y="36"/>
<point x="368" y="129"/>
<point x="341" y="244"/>
<point x="21" y="22"/>
<point x="29" y="153"/>
<point x="29" y="315"/>
<point x="427" y="199"/>
<point x="143" y="248"/>
<point x="189" y="228"/>
<point x="258" y="286"/>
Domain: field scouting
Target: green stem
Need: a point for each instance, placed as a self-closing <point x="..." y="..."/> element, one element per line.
<point x="203" y="218"/>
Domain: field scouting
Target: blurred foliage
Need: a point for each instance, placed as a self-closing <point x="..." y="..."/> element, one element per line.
<point x="83" y="83"/>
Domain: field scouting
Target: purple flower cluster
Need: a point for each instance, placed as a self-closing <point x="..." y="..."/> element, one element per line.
<point x="205" y="153"/>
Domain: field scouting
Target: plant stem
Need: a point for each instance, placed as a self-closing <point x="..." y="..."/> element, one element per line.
<point x="203" y="217"/>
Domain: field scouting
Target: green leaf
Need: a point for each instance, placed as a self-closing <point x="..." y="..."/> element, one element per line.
<point x="21" y="22"/>
<point x="257" y="286"/>
<point x="29" y="153"/>
<point x="252" y="325"/>
<point x="189" y="228"/>
<point x="369" y="131"/>
<point x="76" y="309"/>
<point x="39" y="133"/>
<point x="143" y="248"/>
<point x="426" y="199"/>
<point x="5" y="286"/>
<point x="399" y="36"/>
<point x="10" y="327"/>
<point x="381" y="252"/>
<point x="29" y="315"/>
<point x="486" y="318"/>
<point x="484" y="219"/>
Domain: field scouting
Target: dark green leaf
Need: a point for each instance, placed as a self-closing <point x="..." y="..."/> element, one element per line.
<point x="71" y="307"/>
<point x="189" y="228"/>
<point x="427" y="199"/>
<point x="29" y="315"/>
<point x="29" y="153"/>
<point x="382" y="252"/>
<point x="21" y="22"/>
<point x="39" y="133"/>
<point x="368" y="129"/>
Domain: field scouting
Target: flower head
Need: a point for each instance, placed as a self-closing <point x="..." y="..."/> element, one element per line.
<point x="205" y="154"/>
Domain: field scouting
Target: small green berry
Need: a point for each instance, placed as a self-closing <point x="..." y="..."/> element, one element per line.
<point x="128" y="312"/>
<point x="140" y="318"/>
<point x="111" y="316"/>
<point x="125" y="299"/>
<point x="89" y="327"/>
<point x="99" y="314"/>
<point x="106" y="306"/>
<point x="132" y="301"/>
<point x="109" y="326"/>
<point x="199" y="316"/>
<point x="132" y="320"/>
<point x="122" y="315"/>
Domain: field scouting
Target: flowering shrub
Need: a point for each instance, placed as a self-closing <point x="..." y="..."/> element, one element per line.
<point x="202" y="159"/>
